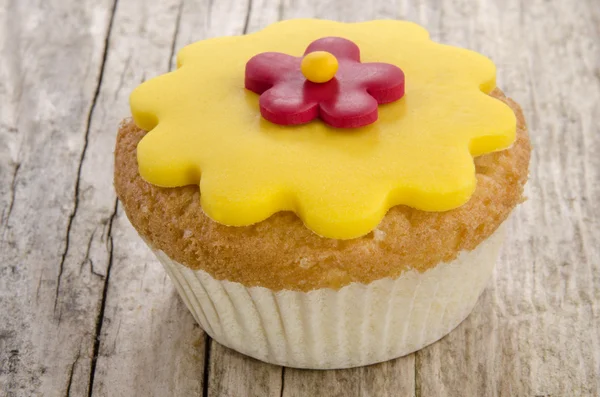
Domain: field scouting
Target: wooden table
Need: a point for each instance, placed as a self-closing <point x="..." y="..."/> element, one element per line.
<point x="85" y="309"/>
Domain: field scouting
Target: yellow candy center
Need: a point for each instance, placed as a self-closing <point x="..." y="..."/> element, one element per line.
<point x="319" y="66"/>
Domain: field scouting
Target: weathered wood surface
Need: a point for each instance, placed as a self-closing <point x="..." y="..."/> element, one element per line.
<point x="86" y="310"/>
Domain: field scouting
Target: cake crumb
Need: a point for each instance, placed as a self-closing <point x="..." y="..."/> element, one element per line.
<point x="305" y="263"/>
<point x="379" y="235"/>
<point x="269" y="253"/>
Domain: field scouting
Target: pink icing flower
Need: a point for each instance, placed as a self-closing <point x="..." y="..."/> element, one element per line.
<point x="348" y="100"/>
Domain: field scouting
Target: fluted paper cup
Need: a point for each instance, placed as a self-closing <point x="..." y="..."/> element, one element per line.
<point x="357" y="325"/>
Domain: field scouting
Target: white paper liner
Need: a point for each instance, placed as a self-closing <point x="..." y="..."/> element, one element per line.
<point x="356" y="325"/>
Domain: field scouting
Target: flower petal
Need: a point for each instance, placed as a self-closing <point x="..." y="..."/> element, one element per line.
<point x="340" y="47"/>
<point x="265" y="70"/>
<point x="350" y="109"/>
<point x="384" y="81"/>
<point x="285" y="104"/>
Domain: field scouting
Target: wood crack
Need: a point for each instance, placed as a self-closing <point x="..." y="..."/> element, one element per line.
<point x="13" y="365"/>
<point x="100" y="319"/>
<point x="71" y="371"/>
<point x="282" y="381"/>
<point x="209" y="12"/>
<point x="122" y="77"/>
<point x="37" y="288"/>
<point x="247" y="20"/>
<point x="82" y="156"/>
<point x="13" y="189"/>
<point x="175" y="34"/>
<point x="87" y="259"/>
<point x="417" y="378"/>
<point x="206" y="375"/>
<point x="280" y="10"/>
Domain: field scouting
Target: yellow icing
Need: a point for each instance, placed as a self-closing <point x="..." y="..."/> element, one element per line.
<point x="319" y="66"/>
<point x="205" y="128"/>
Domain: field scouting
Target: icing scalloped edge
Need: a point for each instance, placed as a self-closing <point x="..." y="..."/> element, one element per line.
<point x="341" y="185"/>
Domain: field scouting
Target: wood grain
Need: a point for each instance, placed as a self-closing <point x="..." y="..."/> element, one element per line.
<point x="148" y="343"/>
<point x="86" y="310"/>
<point x="527" y="334"/>
<point x="52" y="64"/>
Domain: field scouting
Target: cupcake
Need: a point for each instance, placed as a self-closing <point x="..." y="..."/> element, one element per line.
<point x="324" y="195"/>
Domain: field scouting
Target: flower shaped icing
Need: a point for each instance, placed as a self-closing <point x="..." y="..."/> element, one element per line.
<point x="348" y="100"/>
<point x="205" y="128"/>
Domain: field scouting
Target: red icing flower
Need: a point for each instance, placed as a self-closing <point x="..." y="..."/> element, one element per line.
<point x="348" y="100"/>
